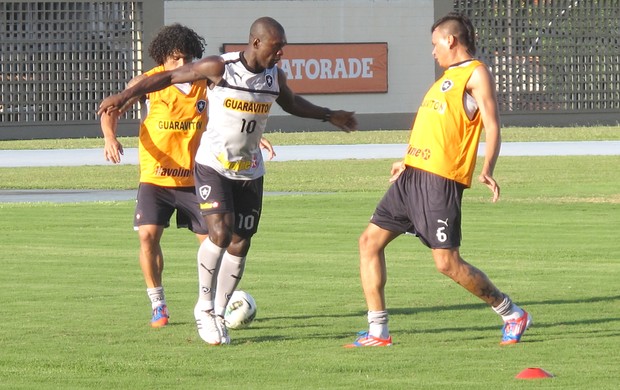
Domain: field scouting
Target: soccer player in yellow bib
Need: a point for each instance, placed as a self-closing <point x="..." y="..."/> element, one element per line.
<point x="229" y="167"/>
<point x="174" y="119"/>
<point x="427" y="187"/>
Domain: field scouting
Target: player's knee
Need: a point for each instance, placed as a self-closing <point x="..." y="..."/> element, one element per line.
<point x="220" y="237"/>
<point x="444" y="267"/>
<point x="363" y="242"/>
<point x="239" y="247"/>
<point x="446" y="262"/>
<point x="148" y="237"/>
<point x="367" y="244"/>
<point x="220" y="232"/>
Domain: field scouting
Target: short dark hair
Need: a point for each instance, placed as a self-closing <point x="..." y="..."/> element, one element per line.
<point x="173" y="38"/>
<point x="264" y="25"/>
<point x="461" y="27"/>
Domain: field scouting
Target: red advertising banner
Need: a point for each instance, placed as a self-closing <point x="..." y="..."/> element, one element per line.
<point x="330" y="68"/>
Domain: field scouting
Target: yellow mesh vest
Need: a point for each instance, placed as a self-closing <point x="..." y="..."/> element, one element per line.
<point x="443" y="140"/>
<point x="170" y="134"/>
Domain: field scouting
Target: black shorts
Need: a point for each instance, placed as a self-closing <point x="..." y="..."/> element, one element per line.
<point x="423" y="204"/>
<point x="220" y="195"/>
<point x="155" y="205"/>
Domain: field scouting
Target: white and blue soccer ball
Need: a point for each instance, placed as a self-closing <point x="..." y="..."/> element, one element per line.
<point x="240" y="311"/>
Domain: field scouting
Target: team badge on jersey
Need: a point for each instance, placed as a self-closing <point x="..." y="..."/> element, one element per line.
<point x="269" y="80"/>
<point x="446" y="85"/>
<point x="201" y="105"/>
<point x="204" y="191"/>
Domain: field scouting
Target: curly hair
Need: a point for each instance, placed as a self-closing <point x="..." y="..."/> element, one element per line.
<point x="176" y="38"/>
<point x="461" y="27"/>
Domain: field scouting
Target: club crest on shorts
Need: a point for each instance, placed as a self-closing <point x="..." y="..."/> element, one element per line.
<point x="204" y="191"/>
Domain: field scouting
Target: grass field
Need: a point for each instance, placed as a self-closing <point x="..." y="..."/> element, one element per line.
<point x="509" y="134"/>
<point x="75" y="313"/>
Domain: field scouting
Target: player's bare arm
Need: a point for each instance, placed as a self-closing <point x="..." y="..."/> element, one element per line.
<point x="210" y="68"/>
<point x="298" y="106"/>
<point x="113" y="149"/>
<point x="482" y="88"/>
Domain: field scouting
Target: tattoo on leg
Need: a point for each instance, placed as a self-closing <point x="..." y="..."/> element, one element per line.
<point x="483" y="287"/>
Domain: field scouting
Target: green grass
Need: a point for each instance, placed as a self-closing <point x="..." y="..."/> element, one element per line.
<point x="75" y="312"/>
<point x="352" y="176"/>
<point x="509" y="134"/>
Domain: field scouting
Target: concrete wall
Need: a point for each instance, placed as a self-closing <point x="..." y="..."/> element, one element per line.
<point x="403" y="24"/>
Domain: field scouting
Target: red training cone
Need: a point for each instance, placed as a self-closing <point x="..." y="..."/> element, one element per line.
<point x="534" y="373"/>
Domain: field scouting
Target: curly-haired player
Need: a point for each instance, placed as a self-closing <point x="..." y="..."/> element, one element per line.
<point x="168" y="140"/>
<point x="176" y="38"/>
<point x="229" y="166"/>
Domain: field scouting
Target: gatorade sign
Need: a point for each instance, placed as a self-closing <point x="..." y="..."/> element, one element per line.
<point x="327" y="68"/>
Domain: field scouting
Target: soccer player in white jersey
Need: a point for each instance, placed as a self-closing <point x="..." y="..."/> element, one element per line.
<point x="168" y="140"/>
<point x="229" y="166"/>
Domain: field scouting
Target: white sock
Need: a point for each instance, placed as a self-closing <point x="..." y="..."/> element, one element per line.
<point x="209" y="259"/>
<point x="157" y="297"/>
<point x="508" y="310"/>
<point x="231" y="271"/>
<point x="378" y="324"/>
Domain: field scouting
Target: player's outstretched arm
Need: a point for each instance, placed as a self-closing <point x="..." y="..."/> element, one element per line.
<point x="298" y="106"/>
<point x="210" y="68"/>
<point x="121" y="102"/>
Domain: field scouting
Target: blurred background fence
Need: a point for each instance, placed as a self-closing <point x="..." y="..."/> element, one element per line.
<point x="556" y="62"/>
<point x="557" y="57"/>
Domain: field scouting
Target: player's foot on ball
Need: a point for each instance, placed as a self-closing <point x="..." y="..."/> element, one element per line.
<point x="514" y="329"/>
<point x="160" y="317"/>
<point x="366" y="340"/>
<point x="207" y="326"/>
<point x="221" y="326"/>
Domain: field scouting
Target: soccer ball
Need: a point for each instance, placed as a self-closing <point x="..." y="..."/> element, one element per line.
<point x="240" y="311"/>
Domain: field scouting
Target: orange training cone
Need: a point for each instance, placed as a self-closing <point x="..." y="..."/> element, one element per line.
<point x="534" y="373"/>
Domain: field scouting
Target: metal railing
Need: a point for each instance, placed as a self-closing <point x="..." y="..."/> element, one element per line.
<point x="560" y="56"/>
<point x="59" y="59"/>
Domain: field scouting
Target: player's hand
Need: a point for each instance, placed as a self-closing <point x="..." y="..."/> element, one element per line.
<point x="345" y="120"/>
<point x="116" y="104"/>
<point x="112" y="151"/>
<point x="119" y="103"/>
<point x="397" y="168"/>
<point x="491" y="183"/>
<point x="110" y="105"/>
<point x="265" y="144"/>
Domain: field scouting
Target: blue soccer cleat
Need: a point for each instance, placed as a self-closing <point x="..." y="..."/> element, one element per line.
<point x="514" y="329"/>
<point x="160" y="317"/>
<point x="366" y="340"/>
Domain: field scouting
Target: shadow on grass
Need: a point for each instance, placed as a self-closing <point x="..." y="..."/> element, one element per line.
<point x="524" y="304"/>
<point x="469" y="306"/>
<point x="320" y="331"/>
<point x="540" y="321"/>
